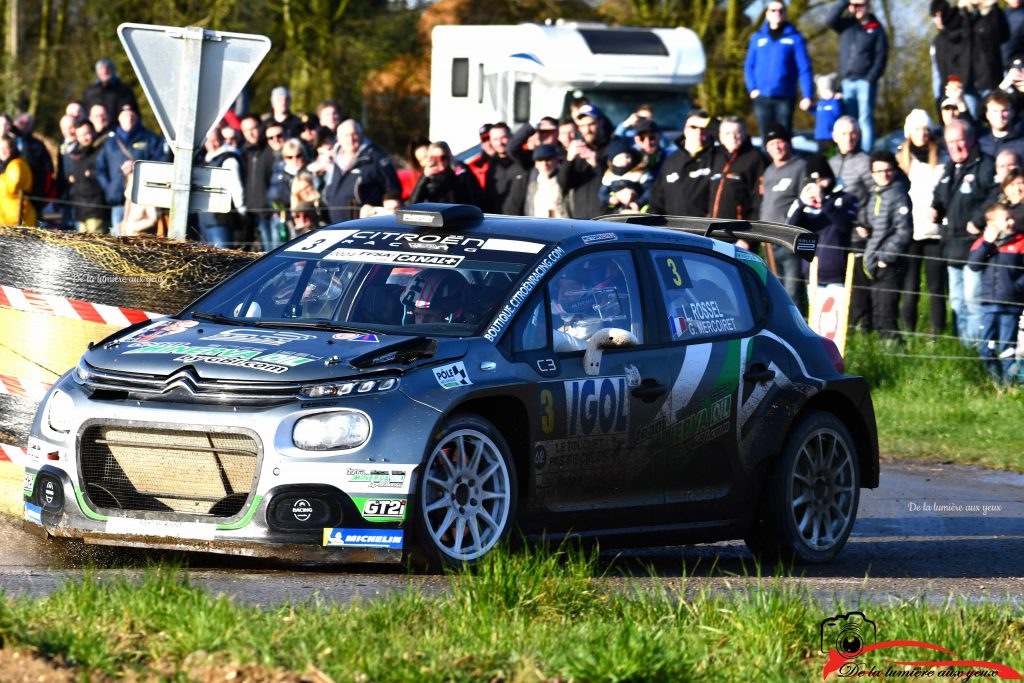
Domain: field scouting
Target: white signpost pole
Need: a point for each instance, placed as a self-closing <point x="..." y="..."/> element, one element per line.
<point x="183" y="147"/>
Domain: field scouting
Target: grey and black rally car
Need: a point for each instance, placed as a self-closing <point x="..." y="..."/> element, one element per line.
<point x="423" y="384"/>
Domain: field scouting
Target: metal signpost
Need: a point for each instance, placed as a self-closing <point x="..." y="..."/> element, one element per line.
<point x="190" y="76"/>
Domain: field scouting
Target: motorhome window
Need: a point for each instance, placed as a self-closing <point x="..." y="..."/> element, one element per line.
<point x="618" y="42"/>
<point x="460" y="77"/>
<point x="480" y="90"/>
<point x="670" y="106"/>
<point x="521" y="103"/>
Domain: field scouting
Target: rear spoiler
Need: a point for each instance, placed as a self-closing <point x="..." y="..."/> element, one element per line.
<point x="800" y="241"/>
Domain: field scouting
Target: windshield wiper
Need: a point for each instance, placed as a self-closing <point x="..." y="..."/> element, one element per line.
<point x="218" y="318"/>
<point x="317" y="325"/>
<point x="305" y="324"/>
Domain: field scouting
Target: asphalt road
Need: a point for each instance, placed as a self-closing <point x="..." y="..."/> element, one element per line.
<point x="928" y="532"/>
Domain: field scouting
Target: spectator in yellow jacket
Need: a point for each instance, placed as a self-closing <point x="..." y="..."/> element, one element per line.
<point x="15" y="182"/>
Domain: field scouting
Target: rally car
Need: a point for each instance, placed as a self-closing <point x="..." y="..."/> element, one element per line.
<point x="420" y="386"/>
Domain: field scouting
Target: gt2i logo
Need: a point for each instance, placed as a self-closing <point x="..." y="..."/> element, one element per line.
<point x="849" y="641"/>
<point x="384" y="507"/>
<point x="597" y="406"/>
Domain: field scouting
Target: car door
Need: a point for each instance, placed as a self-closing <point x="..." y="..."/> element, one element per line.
<point x="584" y="469"/>
<point x="708" y="317"/>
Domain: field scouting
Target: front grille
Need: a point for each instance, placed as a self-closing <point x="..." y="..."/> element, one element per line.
<point x="185" y="384"/>
<point x="168" y="470"/>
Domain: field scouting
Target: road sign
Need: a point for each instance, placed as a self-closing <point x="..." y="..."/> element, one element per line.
<point x="227" y="62"/>
<point x="151" y="186"/>
<point x="190" y="76"/>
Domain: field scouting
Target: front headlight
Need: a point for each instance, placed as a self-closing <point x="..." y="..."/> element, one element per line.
<point x="330" y="431"/>
<point x="59" y="412"/>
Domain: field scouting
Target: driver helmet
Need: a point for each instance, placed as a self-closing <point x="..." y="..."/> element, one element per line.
<point x="587" y="297"/>
<point x="436" y="292"/>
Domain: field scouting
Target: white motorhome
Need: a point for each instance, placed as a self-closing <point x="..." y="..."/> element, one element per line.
<point x="518" y="74"/>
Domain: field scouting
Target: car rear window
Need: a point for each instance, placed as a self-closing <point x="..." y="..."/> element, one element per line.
<point x="703" y="296"/>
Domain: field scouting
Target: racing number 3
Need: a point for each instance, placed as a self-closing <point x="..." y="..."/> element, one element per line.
<point x="677" y="279"/>
<point x="547" y="420"/>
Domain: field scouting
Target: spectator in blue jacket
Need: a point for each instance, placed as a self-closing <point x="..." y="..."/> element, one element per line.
<point x="129" y="142"/>
<point x="776" y="60"/>
<point x="827" y="110"/>
<point x="863" y="51"/>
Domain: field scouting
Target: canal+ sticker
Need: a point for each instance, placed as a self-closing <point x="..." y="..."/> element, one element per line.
<point x="452" y="376"/>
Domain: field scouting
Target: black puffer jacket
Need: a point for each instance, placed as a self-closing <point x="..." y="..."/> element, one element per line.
<point x="863" y="45"/>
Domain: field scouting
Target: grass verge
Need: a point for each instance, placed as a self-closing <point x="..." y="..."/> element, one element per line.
<point x="530" y="616"/>
<point x="933" y="401"/>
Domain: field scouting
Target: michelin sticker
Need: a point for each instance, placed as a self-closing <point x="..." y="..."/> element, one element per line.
<point x="364" y="538"/>
<point x="599" y="237"/>
<point x="452" y="376"/>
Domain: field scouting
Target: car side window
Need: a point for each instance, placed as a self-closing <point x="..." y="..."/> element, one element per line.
<point x="532" y="329"/>
<point x="594" y="292"/>
<point x="703" y="296"/>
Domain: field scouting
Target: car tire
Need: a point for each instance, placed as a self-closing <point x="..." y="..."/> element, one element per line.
<point x="809" y="504"/>
<point x="466" y="494"/>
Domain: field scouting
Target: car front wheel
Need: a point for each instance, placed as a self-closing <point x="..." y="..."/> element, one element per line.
<point x="809" y="504"/>
<point x="467" y="493"/>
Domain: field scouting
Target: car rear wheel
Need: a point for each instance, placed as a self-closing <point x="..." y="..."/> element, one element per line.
<point x="809" y="504"/>
<point x="467" y="493"/>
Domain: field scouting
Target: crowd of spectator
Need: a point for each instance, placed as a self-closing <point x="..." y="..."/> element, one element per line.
<point x="947" y="204"/>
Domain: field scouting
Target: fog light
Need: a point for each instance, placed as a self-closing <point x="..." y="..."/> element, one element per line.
<point x="303" y="511"/>
<point x="49" y="493"/>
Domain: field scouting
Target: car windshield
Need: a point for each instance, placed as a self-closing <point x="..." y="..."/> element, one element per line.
<point x="359" y="284"/>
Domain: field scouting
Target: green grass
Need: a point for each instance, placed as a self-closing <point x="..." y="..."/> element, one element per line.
<point x="534" y="615"/>
<point x="933" y="401"/>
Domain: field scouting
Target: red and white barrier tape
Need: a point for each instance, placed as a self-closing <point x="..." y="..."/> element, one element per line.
<point x="9" y="453"/>
<point x="34" y="302"/>
<point x="23" y="388"/>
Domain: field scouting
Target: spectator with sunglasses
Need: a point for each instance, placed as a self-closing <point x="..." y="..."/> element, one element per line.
<point x="863" y="52"/>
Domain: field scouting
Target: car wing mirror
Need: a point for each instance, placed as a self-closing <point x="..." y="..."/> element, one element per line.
<point x="605" y="338"/>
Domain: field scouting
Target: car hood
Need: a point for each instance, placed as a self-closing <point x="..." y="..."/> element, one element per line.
<point x="262" y="354"/>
